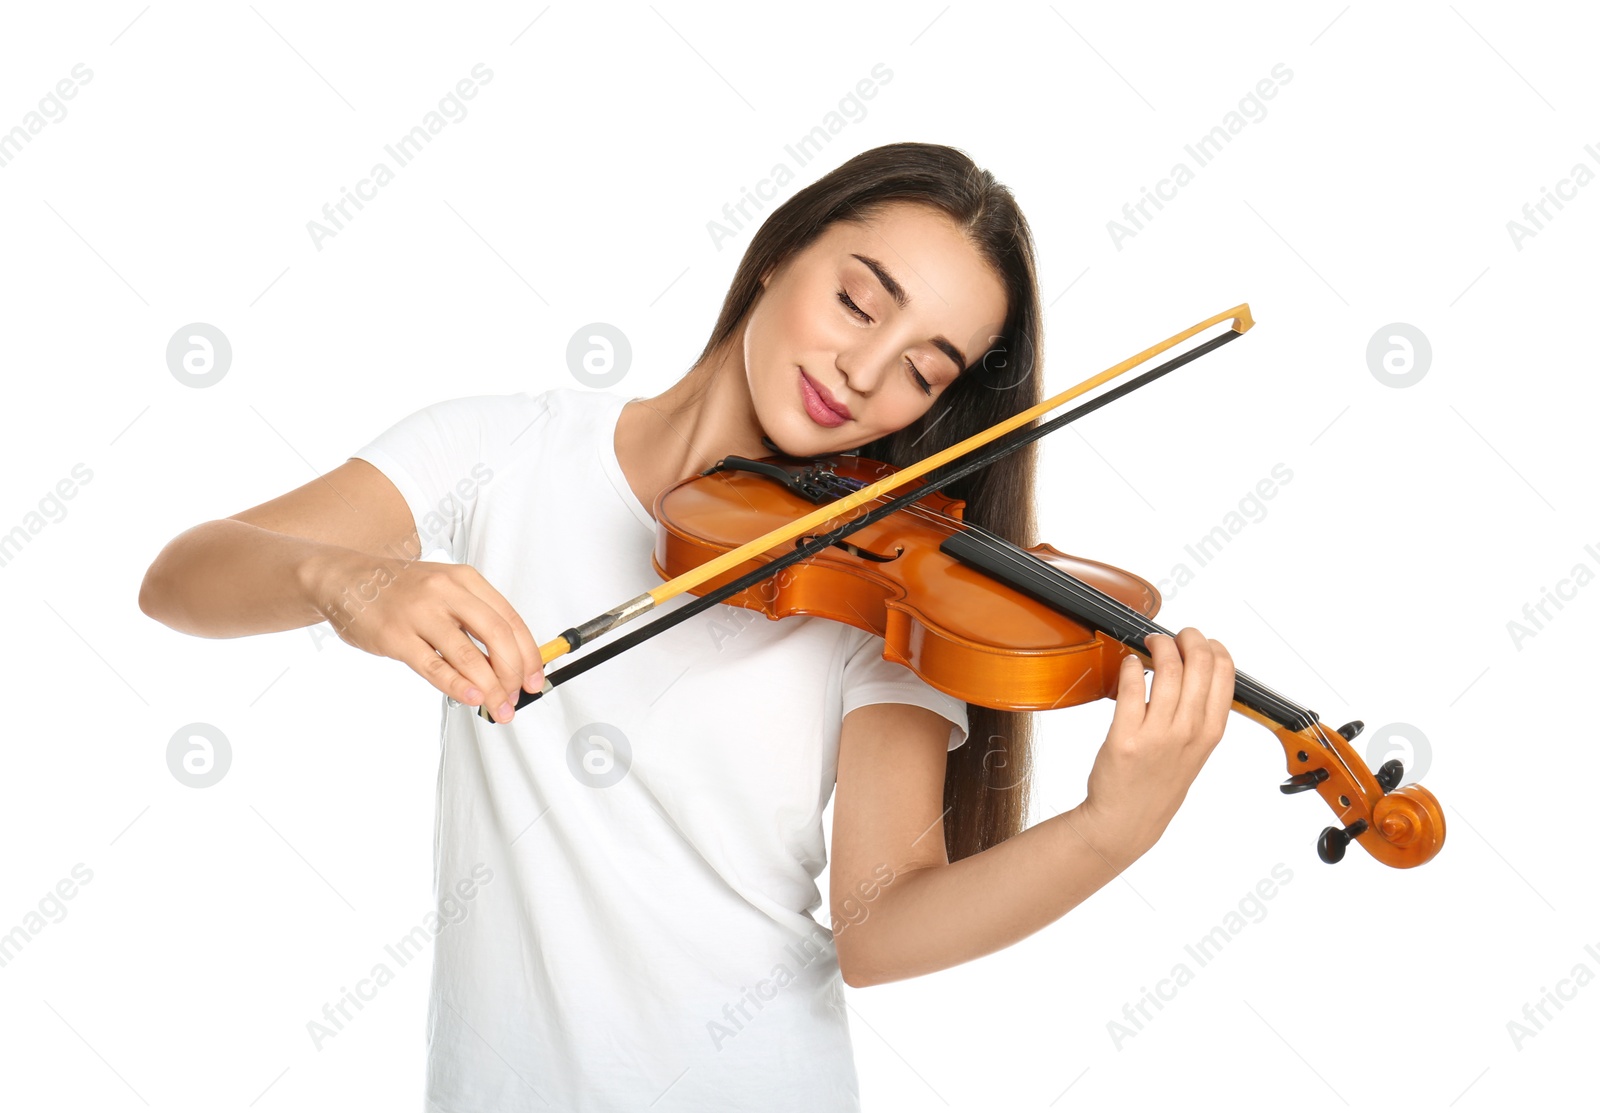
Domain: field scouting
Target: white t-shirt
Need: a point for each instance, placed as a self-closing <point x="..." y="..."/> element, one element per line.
<point x="627" y="872"/>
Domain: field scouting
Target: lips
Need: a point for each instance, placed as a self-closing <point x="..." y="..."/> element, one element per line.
<point x="826" y="399"/>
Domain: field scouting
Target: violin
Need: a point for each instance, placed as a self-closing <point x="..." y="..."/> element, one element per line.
<point x="991" y="623"/>
<point x="972" y="614"/>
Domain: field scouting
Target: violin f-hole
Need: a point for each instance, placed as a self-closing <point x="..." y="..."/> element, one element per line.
<point x="856" y="550"/>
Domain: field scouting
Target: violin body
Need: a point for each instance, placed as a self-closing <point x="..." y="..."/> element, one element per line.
<point x="997" y="625"/>
<point x="980" y="641"/>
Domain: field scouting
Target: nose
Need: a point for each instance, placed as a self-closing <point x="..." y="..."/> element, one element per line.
<point x="864" y="365"/>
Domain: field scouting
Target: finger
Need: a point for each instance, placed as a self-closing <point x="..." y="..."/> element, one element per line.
<point x="466" y="658"/>
<point x="1164" y="689"/>
<point x="1130" y="694"/>
<point x="1219" y="700"/>
<point x="426" y="663"/>
<point x="1198" y="665"/>
<point x="492" y="629"/>
<point x="527" y="645"/>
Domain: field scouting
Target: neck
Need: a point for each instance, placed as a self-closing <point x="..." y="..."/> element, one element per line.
<point x="680" y="432"/>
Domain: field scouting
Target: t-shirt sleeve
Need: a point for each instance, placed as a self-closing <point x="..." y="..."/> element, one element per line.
<point x="870" y="678"/>
<point x="441" y="458"/>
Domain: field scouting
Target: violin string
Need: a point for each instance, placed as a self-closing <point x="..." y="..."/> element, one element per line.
<point x="805" y="549"/>
<point x="1083" y="590"/>
<point x="1142" y="622"/>
<point x="989" y="541"/>
<point x="1135" y="617"/>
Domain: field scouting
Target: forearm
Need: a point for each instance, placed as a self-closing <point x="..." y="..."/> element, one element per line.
<point x="226" y="579"/>
<point x="938" y="917"/>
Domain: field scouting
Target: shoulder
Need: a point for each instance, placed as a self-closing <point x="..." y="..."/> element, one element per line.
<point x="503" y="429"/>
<point x="509" y="425"/>
<point x="473" y="413"/>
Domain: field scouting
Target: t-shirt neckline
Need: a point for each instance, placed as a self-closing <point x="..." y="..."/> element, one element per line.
<point x="612" y="467"/>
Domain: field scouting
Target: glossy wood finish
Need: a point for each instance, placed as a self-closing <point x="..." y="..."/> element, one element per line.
<point x="958" y="629"/>
<point x="972" y="636"/>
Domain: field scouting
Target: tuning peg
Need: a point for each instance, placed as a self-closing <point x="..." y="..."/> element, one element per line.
<point x="1351" y="729"/>
<point x="1330" y="847"/>
<point x="1302" y="781"/>
<point x="1389" y="774"/>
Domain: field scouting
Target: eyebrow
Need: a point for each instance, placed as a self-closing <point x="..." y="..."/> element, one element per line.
<point x="902" y="299"/>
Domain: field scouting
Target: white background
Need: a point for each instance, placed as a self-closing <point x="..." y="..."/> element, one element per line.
<point x="1379" y="584"/>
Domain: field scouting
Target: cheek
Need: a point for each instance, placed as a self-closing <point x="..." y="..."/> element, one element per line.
<point x="802" y="322"/>
<point x="782" y="334"/>
<point x="776" y="333"/>
<point x="763" y="347"/>
<point x="896" y="415"/>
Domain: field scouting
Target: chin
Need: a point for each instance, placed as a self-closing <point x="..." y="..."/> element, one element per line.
<point x="797" y="435"/>
<point x="789" y="446"/>
<point x="794" y="434"/>
<point x="799" y="447"/>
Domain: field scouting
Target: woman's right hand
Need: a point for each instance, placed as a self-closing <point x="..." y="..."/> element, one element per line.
<point x="421" y="612"/>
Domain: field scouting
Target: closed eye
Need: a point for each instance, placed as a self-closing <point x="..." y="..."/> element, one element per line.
<point x="922" y="383"/>
<point x="845" y="298"/>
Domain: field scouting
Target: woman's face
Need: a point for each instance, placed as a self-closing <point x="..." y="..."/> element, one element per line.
<point x="868" y="362"/>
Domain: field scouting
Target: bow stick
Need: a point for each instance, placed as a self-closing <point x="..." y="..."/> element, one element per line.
<point x="576" y="636"/>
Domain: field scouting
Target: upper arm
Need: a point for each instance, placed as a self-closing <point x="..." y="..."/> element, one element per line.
<point x="355" y="506"/>
<point x="888" y="807"/>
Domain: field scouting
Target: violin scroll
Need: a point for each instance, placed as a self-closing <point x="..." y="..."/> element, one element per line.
<point x="1411" y="824"/>
<point x="1400" y="826"/>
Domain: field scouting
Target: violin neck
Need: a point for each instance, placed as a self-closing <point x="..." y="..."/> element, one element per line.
<point x="1084" y="603"/>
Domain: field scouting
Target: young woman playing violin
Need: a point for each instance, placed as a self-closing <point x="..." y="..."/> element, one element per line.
<point x="641" y="846"/>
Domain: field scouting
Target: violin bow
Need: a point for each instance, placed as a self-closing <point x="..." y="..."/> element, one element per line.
<point x="1400" y="826"/>
<point x="574" y="637"/>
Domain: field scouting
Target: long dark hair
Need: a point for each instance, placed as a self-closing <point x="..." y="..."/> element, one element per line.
<point x="988" y="778"/>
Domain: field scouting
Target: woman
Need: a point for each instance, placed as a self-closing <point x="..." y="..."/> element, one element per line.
<point x="641" y="846"/>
